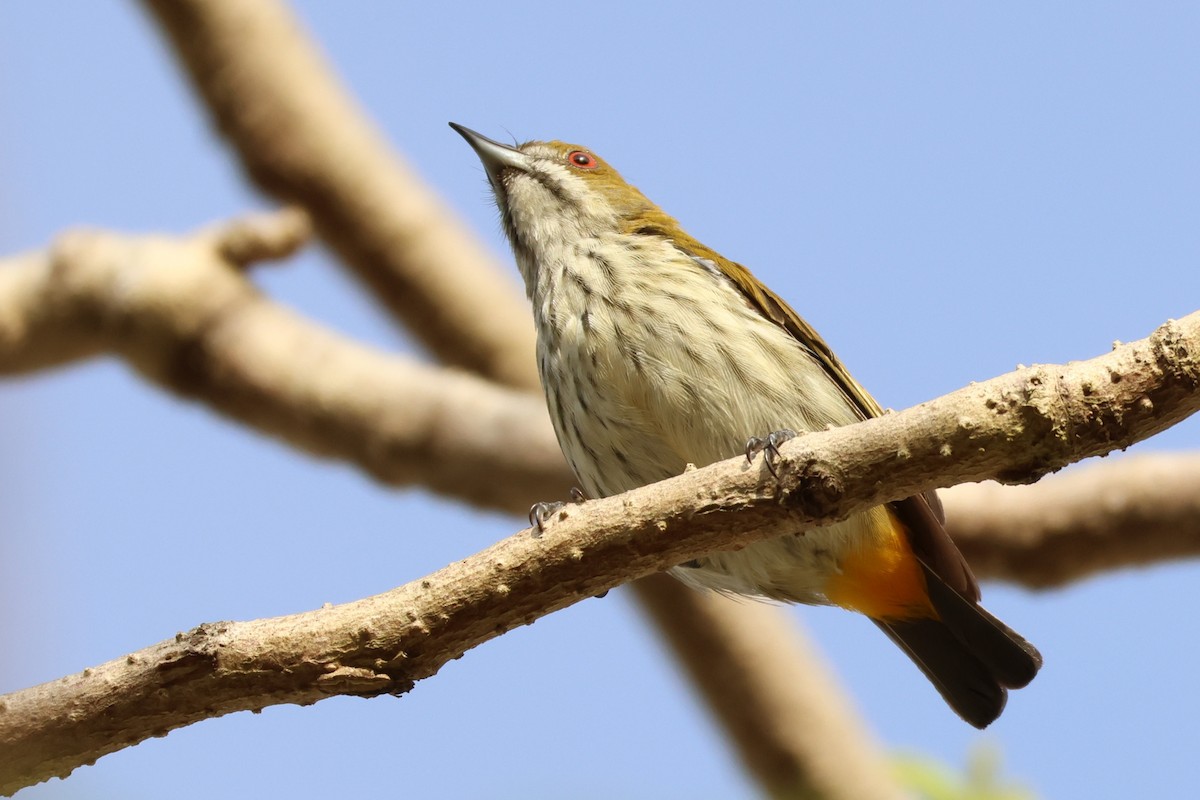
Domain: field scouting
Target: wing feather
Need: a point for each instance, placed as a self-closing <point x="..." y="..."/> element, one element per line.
<point x="921" y="515"/>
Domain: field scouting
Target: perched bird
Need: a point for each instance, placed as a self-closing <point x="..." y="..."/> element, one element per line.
<point x="656" y="352"/>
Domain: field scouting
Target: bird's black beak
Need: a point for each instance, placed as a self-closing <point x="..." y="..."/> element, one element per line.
<point x="496" y="157"/>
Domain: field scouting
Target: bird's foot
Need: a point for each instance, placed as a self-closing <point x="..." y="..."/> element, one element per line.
<point x="769" y="447"/>
<point x="540" y="513"/>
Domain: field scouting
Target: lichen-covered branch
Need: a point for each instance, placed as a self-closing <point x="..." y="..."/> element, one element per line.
<point x="1019" y="425"/>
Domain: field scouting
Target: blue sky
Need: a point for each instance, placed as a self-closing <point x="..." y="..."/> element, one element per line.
<point x="944" y="190"/>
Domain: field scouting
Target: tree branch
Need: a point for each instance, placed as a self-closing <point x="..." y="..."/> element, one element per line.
<point x="1019" y="425"/>
<point x="1120" y="514"/>
<point x="817" y="748"/>
<point x="183" y="314"/>
<point x="302" y="139"/>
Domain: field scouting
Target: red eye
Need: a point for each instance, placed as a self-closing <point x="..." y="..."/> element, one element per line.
<point x="582" y="159"/>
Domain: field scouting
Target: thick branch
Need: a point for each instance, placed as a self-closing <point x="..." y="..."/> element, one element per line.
<point x="1126" y="513"/>
<point x="303" y="139"/>
<point x="1018" y="425"/>
<point x="182" y="312"/>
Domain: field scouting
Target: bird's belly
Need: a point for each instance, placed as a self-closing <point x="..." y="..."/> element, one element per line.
<point x="637" y="410"/>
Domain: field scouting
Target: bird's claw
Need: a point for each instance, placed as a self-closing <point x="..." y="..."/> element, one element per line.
<point x="769" y="447"/>
<point x="540" y="513"/>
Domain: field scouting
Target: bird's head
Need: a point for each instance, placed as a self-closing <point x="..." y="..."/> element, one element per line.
<point x="558" y="191"/>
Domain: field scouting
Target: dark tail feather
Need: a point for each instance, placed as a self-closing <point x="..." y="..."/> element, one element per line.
<point x="1013" y="661"/>
<point x="971" y="657"/>
<point x="960" y="678"/>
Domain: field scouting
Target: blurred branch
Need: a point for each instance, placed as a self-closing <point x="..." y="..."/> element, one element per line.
<point x="303" y="139"/>
<point x="817" y="747"/>
<point x="1019" y="425"/>
<point x="1130" y="512"/>
<point x="183" y="314"/>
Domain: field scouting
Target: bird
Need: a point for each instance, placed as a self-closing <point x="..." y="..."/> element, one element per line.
<point x="656" y="352"/>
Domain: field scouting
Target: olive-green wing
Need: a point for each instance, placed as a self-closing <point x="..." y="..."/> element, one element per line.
<point x="778" y="311"/>
<point x="921" y="515"/>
